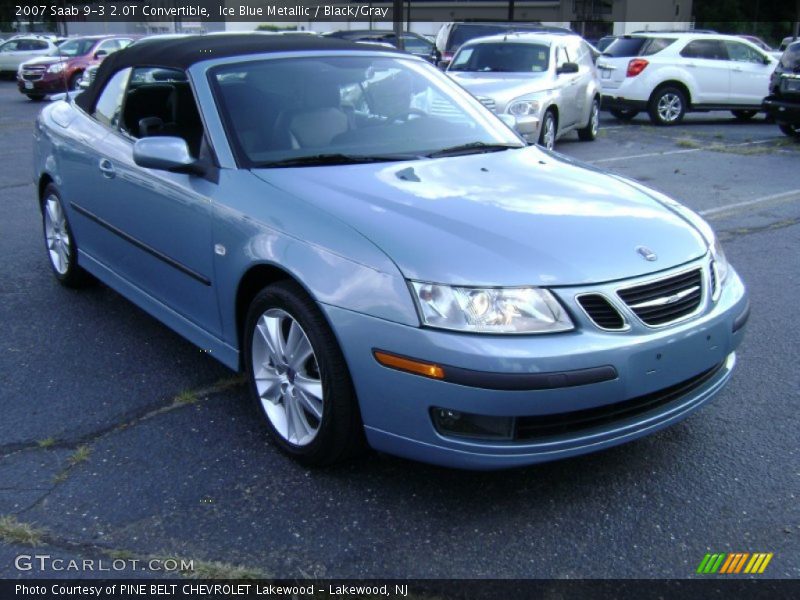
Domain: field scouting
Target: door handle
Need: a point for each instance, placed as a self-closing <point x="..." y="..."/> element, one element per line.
<point x="107" y="168"/>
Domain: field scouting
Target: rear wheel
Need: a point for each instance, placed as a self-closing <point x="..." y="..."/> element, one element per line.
<point x="589" y="133"/>
<point x="623" y="114"/>
<point x="547" y="135"/>
<point x="59" y="241"/>
<point x="790" y="130"/>
<point x="299" y="378"/>
<point x="744" y="115"/>
<point x="667" y="106"/>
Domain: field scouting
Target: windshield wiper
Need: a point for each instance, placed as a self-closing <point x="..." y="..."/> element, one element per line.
<point x="333" y="159"/>
<point x="472" y="148"/>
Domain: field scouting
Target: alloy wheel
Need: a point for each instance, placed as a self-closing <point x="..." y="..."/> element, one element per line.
<point x="549" y="132"/>
<point x="56" y="235"/>
<point x="287" y="377"/>
<point x="595" y="119"/>
<point x="670" y="107"/>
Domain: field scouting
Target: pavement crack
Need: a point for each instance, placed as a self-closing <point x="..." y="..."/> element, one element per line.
<point x="729" y="234"/>
<point x="128" y="420"/>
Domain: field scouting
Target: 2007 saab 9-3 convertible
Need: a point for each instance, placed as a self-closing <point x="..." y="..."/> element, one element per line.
<point x="385" y="258"/>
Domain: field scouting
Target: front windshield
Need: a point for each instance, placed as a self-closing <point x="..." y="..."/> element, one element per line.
<point x="72" y="48"/>
<point x="356" y="106"/>
<point x="502" y="57"/>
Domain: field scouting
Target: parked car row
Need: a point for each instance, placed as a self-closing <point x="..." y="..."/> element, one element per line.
<point x="783" y="103"/>
<point x="62" y="68"/>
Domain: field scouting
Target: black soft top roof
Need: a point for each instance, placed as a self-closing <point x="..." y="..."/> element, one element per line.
<point x="181" y="52"/>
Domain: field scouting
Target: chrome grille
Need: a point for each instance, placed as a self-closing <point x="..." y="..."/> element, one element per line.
<point x="601" y="312"/>
<point x="488" y="103"/>
<point x="665" y="300"/>
<point x="32" y="73"/>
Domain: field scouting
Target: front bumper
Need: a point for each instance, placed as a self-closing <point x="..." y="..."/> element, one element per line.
<point x="45" y="85"/>
<point x="528" y="127"/>
<point x="783" y="111"/>
<point x="396" y="406"/>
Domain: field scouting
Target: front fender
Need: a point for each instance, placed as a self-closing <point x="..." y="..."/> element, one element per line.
<point x="258" y="224"/>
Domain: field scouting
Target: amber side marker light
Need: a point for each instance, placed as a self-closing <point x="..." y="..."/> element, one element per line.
<point x="410" y="365"/>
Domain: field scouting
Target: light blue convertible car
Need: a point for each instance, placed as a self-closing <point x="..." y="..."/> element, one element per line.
<point x="386" y="259"/>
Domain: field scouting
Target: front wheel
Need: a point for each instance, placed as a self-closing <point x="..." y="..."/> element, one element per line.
<point x="74" y="81"/>
<point x="547" y="135"/>
<point x="299" y="378"/>
<point x="667" y="106"/>
<point x="790" y="130"/>
<point x="35" y="97"/>
<point x="589" y="133"/>
<point x="59" y="241"/>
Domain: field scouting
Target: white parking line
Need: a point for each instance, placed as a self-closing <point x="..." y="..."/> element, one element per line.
<point x="748" y="203"/>
<point x="684" y="151"/>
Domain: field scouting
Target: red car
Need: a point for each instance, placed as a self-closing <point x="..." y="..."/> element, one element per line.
<point x="64" y="66"/>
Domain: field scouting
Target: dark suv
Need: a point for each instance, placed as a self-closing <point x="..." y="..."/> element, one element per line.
<point x="783" y="103"/>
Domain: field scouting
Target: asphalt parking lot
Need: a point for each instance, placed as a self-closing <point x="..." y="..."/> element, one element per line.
<point x="118" y="439"/>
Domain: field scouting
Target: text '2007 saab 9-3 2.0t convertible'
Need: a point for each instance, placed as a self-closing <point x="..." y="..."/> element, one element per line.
<point x="384" y="257"/>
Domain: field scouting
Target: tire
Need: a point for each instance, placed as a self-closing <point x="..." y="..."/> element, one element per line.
<point x="667" y="106"/>
<point x="73" y="81"/>
<point x="36" y="97"/>
<point x="589" y="133"/>
<point x="547" y="133"/>
<point x="318" y="422"/>
<point x="792" y="131"/>
<point x="744" y="115"/>
<point x="623" y="114"/>
<point x="62" y="251"/>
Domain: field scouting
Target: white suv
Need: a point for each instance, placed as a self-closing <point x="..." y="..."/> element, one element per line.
<point x="668" y="74"/>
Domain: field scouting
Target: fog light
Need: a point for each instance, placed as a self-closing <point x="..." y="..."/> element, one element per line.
<point x="461" y="424"/>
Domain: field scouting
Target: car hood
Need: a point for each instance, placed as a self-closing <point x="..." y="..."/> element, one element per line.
<point x="44" y="61"/>
<point x="509" y="218"/>
<point x="502" y="87"/>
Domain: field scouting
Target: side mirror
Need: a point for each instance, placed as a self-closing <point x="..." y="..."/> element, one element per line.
<point x="165" y="154"/>
<point x="567" y="67"/>
<point x="101" y="53"/>
<point x="443" y="64"/>
<point x="767" y="60"/>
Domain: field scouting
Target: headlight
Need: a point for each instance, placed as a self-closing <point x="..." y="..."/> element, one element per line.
<point x="720" y="265"/>
<point x="490" y="310"/>
<point x="521" y="108"/>
<point x="56" y="67"/>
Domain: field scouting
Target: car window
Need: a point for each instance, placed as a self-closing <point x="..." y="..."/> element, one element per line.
<point x="708" y="49"/>
<point x="627" y="47"/>
<point x="109" y="46"/>
<point x="9" y="46"/>
<point x="78" y="47"/>
<point x="743" y="53"/>
<point x="366" y="106"/>
<point x="790" y="60"/>
<point x="462" y="33"/>
<point x="160" y="102"/>
<point x="502" y="57"/>
<point x="109" y="105"/>
<point x="416" y="45"/>
<point x="561" y="56"/>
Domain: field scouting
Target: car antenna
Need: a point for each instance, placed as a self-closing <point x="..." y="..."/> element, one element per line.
<point x="64" y="75"/>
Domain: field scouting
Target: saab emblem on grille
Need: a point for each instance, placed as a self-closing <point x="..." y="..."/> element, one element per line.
<point x="646" y="253"/>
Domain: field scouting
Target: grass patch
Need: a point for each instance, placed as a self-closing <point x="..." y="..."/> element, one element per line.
<point x="14" y="532"/>
<point x="220" y="570"/>
<point x="185" y="397"/>
<point x="688" y="142"/>
<point x="46" y="443"/>
<point x="80" y="455"/>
